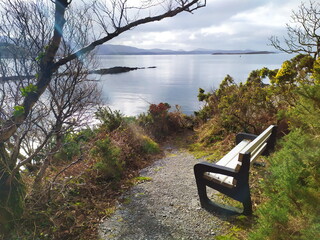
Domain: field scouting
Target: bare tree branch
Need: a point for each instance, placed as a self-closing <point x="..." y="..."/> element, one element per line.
<point x="304" y="35"/>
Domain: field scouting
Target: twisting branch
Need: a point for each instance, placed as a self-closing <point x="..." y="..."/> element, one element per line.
<point x="304" y="35"/>
<point x="186" y="6"/>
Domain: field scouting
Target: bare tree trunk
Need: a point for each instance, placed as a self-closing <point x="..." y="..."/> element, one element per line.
<point x="11" y="194"/>
<point x="37" y="184"/>
<point x="41" y="173"/>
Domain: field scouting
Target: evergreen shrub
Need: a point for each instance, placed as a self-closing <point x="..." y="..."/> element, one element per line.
<point x="293" y="186"/>
<point x="110" y="119"/>
<point x="293" y="190"/>
<point x="72" y="142"/>
<point x="109" y="165"/>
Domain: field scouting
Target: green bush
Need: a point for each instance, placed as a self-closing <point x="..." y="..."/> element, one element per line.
<point x="293" y="190"/>
<point x="233" y="107"/>
<point x="109" y="165"/>
<point x="72" y="142"/>
<point x="155" y="122"/>
<point x="149" y="146"/>
<point x="306" y="112"/>
<point x="110" y="119"/>
<point x="293" y="186"/>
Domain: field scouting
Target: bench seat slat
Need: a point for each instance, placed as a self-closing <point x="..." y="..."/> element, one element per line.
<point x="220" y="178"/>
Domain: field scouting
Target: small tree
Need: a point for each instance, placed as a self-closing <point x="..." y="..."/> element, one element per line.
<point x="303" y="34"/>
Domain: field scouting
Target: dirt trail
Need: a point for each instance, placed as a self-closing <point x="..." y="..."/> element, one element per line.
<point x="165" y="207"/>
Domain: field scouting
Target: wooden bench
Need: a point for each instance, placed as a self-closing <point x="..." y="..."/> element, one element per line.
<point x="230" y="175"/>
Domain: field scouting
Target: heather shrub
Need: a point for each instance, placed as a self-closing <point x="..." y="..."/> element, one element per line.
<point x="72" y="143"/>
<point x="135" y="145"/>
<point x="159" y="122"/>
<point x="177" y="121"/>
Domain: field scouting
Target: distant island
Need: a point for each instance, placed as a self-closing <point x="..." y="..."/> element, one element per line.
<point x="116" y="70"/>
<point x="109" y="49"/>
<point x="243" y="53"/>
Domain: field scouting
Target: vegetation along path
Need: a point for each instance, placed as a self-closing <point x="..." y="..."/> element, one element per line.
<point x="165" y="205"/>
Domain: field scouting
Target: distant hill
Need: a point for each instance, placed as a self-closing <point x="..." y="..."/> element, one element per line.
<point x="109" y="49"/>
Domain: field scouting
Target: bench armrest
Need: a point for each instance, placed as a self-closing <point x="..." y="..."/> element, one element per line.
<point x="242" y="136"/>
<point x="203" y="167"/>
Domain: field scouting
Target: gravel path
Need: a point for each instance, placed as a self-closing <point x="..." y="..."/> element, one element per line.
<point x="166" y="207"/>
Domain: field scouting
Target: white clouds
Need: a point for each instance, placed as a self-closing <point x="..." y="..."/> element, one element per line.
<point x="224" y="24"/>
<point x="269" y="15"/>
<point x="221" y="29"/>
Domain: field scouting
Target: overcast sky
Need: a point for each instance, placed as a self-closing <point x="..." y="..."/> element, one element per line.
<point x="222" y="24"/>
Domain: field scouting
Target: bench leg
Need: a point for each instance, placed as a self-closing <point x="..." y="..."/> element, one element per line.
<point x="247" y="207"/>
<point x="201" y="186"/>
<point x="202" y="192"/>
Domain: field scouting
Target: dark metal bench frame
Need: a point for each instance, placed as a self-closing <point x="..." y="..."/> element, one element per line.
<point x="241" y="191"/>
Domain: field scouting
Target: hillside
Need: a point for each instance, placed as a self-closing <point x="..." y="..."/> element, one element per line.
<point x="109" y="49"/>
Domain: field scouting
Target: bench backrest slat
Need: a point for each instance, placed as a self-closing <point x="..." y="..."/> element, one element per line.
<point x="254" y="145"/>
<point x="258" y="152"/>
<point x="234" y="153"/>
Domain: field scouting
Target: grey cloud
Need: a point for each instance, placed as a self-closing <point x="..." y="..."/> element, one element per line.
<point x="239" y="33"/>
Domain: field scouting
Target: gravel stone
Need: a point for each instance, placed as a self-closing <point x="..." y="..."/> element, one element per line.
<point x="167" y="207"/>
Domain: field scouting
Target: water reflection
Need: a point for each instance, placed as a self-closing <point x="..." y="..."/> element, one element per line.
<point x="176" y="78"/>
<point x="130" y="104"/>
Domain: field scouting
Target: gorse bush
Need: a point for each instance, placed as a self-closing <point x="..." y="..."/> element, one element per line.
<point x="253" y="105"/>
<point x="293" y="187"/>
<point x="293" y="190"/>
<point x="72" y="142"/>
<point x="240" y="107"/>
<point x="306" y="113"/>
<point x="111" y="120"/>
<point x="109" y="165"/>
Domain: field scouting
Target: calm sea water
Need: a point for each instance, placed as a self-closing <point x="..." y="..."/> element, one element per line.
<point x="176" y="78"/>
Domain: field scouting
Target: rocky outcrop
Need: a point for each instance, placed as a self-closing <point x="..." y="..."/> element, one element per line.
<point x="115" y="70"/>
